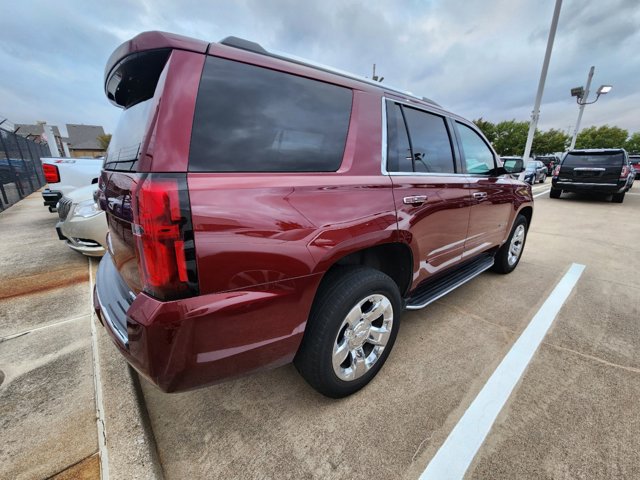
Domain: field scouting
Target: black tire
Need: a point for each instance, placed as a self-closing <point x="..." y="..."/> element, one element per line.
<point x="341" y="290"/>
<point x="544" y="178"/>
<point x="555" y="193"/>
<point x="618" y="197"/>
<point x="502" y="264"/>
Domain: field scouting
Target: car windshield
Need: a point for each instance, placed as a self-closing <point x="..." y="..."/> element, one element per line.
<point x="531" y="166"/>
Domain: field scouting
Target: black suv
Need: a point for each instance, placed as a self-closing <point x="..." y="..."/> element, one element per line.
<point x="593" y="171"/>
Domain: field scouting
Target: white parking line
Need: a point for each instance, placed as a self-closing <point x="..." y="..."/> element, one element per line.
<point x="97" y="384"/>
<point x="541" y="193"/>
<point x="455" y="455"/>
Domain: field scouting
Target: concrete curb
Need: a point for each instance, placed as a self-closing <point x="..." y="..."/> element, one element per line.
<point x="129" y="438"/>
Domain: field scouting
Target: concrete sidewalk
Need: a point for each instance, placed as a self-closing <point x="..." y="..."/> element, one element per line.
<point x="60" y="376"/>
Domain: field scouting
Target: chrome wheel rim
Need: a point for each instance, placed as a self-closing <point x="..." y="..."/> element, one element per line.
<point x="362" y="337"/>
<point x="515" y="247"/>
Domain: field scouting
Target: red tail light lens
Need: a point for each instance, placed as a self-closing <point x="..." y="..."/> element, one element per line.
<point x="624" y="172"/>
<point x="556" y="171"/>
<point x="164" y="236"/>
<point x="51" y="173"/>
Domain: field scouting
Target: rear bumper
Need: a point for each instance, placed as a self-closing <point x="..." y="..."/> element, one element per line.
<point x="586" y="187"/>
<point x="184" y="344"/>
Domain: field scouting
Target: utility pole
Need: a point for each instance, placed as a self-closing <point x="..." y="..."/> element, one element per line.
<point x="535" y="114"/>
<point x="581" y="109"/>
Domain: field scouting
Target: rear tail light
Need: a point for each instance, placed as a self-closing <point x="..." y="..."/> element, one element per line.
<point x="624" y="173"/>
<point x="164" y="236"/>
<point x="51" y="173"/>
<point x="556" y="171"/>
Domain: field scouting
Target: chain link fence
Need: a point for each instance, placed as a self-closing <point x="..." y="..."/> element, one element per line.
<point x="20" y="167"/>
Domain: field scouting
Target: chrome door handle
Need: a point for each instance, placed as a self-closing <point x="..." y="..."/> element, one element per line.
<point x="479" y="195"/>
<point x="414" y="200"/>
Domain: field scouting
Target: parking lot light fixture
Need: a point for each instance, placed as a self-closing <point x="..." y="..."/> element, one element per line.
<point x="604" y="89"/>
<point x="582" y="94"/>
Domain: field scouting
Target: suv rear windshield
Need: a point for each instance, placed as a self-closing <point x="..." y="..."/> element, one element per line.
<point x="586" y="159"/>
<point x="253" y="119"/>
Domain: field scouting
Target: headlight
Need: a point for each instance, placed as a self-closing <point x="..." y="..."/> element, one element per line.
<point x="86" y="209"/>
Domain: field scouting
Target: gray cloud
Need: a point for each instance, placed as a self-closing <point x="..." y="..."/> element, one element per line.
<point x="475" y="58"/>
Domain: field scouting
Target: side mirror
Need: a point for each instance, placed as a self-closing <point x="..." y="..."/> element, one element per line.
<point x="514" y="165"/>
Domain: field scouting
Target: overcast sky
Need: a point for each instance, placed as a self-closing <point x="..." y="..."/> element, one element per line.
<point x="476" y="58"/>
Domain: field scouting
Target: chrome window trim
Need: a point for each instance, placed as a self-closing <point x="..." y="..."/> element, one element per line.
<point x="383" y="166"/>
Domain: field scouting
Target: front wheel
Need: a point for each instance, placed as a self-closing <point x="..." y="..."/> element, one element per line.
<point x="351" y="330"/>
<point x="555" y="193"/>
<point x="509" y="254"/>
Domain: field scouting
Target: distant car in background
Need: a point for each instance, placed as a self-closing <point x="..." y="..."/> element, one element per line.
<point x="535" y="171"/>
<point x="82" y="225"/>
<point x="550" y="161"/>
<point x="634" y="161"/>
<point x="65" y="175"/>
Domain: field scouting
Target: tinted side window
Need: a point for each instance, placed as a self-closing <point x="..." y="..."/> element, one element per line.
<point x="398" y="148"/>
<point x="430" y="142"/>
<point x="252" y="119"/>
<point x="477" y="155"/>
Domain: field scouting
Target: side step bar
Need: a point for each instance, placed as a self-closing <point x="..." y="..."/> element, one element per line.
<point x="433" y="290"/>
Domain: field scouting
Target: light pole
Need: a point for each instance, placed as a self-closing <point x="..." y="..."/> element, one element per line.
<point x="535" y="114"/>
<point x="582" y="94"/>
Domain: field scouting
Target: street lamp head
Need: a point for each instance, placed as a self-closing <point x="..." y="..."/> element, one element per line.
<point x="604" y="89"/>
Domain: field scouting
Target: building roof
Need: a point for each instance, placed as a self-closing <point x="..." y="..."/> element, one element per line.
<point x="27" y="130"/>
<point x="84" y="137"/>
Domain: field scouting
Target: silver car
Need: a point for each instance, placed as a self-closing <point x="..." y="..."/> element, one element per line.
<point x="82" y="225"/>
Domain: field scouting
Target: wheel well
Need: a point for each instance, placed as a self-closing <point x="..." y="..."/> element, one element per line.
<point x="527" y="212"/>
<point x="393" y="259"/>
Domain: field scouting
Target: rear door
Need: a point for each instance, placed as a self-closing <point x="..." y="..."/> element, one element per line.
<point x="592" y="167"/>
<point x="430" y="192"/>
<point x="491" y="195"/>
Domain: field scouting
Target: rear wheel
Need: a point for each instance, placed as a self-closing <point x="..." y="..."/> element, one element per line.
<point x="351" y="330"/>
<point x="555" y="193"/>
<point x="544" y="178"/>
<point x="508" y="256"/>
<point x="618" y="197"/>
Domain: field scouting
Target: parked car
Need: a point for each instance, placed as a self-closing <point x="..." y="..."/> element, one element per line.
<point x="593" y="171"/>
<point x="280" y="212"/>
<point x="549" y="161"/>
<point x="82" y="225"/>
<point x="634" y="160"/>
<point x="65" y="175"/>
<point x="535" y="171"/>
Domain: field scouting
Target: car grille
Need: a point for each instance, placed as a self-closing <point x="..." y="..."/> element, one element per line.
<point x="64" y="206"/>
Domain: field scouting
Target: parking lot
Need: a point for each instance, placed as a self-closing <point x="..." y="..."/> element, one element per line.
<point x="573" y="414"/>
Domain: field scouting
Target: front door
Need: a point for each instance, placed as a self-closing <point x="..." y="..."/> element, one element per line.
<point x="491" y="195"/>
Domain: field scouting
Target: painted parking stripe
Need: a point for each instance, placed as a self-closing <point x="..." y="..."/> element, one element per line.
<point x="457" y="452"/>
<point x="541" y="193"/>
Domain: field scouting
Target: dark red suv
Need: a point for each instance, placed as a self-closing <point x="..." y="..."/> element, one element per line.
<point x="264" y="210"/>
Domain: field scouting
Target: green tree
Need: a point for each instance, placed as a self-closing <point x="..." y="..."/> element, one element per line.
<point x="104" y="141"/>
<point x="488" y="128"/>
<point x="602" y="137"/>
<point x="550" y="141"/>
<point x="633" y="144"/>
<point x="510" y="137"/>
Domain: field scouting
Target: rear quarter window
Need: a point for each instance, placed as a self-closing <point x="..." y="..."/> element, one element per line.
<point x="253" y="119"/>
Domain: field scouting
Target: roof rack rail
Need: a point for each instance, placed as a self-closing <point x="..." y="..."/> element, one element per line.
<point x="254" y="47"/>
